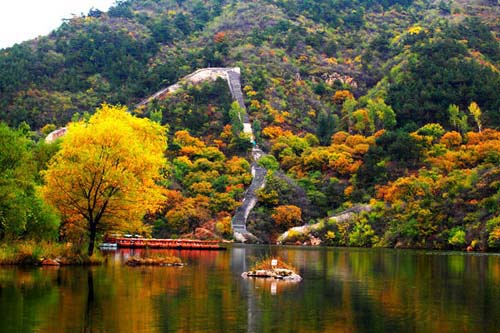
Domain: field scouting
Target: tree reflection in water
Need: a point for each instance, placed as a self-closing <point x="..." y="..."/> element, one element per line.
<point x="348" y="290"/>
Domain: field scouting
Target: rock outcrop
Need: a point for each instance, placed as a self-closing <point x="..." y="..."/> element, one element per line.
<point x="54" y="135"/>
<point x="50" y="262"/>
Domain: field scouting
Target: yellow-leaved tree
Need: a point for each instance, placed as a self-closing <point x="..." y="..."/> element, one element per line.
<point x="104" y="177"/>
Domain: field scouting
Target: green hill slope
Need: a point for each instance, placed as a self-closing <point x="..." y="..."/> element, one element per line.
<point x="294" y="56"/>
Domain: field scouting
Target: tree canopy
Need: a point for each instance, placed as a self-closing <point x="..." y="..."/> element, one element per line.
<point x="104" y="177"/>
<point x="22" y="212"/>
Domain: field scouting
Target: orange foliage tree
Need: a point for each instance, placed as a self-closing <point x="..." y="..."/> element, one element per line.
<point x="287" y="216"/>
<point x="341" y="95"/>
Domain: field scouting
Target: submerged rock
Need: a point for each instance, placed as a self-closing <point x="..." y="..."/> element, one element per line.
<point x="160" y="261"/>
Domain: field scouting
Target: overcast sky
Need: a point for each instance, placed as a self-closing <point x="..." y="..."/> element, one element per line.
<point x="21" y="20"/>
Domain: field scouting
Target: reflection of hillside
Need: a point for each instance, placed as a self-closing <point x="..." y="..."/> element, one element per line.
<point x="88" y="302"/>
<point x="407" y="289"/>
<point x="182" y="299"/>
<point x="26" y="296"/>
<point x="344" y="290"/>
<point x="357" y="290"/>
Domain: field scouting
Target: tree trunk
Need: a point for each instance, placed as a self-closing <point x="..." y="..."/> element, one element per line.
<point x="93" y="232"/>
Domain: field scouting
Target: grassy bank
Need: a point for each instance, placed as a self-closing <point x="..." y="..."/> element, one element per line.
<point x="35" y="253"/>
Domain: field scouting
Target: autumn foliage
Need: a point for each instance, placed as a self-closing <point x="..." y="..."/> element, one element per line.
<point x="104" y="177"/>
<point x="287" y="216"/>
<point x="352" y="103"/>
<point x="206" y="187"/>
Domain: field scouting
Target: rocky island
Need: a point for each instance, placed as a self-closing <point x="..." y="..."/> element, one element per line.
<point x="273" y="269"/>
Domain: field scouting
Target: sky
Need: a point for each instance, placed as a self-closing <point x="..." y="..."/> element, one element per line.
<point x="22" y="20"/>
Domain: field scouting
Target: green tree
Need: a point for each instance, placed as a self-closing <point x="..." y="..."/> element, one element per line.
<point x="257" y="129"/>
<point x="156" y="116"/>
<point x="22" y="213"/>
<point x="458" y="119"/>
<point x="236" y="114"/>
<point x="348" y="109"/>
<point x="383" y="113"/>
<point x="325" y="127"/>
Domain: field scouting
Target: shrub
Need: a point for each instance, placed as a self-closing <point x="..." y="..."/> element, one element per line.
<point x="265" y="263"/>
<point x="223" y="227"/>
<point x="269" y="162"/>
<point x="287" y="216"/>
<point x="493" y="227"/>
<point x="362" y="234"/>
<point x="296" y="236"/>
<point x="457" y="237"/>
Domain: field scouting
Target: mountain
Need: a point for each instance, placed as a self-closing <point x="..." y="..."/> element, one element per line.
<point x="420" y="56"/>
<point x="388" y="102"/>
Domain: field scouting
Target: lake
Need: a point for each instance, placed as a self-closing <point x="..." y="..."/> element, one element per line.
<point x="344" y="290"/>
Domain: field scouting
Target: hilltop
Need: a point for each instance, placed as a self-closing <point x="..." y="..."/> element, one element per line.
<point x="293" y="55"/>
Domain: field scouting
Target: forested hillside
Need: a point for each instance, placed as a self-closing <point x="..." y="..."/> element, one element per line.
<point x="420" y="56"/>
<point x="394" y="103"/>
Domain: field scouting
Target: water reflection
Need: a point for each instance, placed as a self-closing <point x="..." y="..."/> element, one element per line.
<point x="346" y="290"/>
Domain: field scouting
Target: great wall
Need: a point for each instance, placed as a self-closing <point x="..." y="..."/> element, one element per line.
<point x="233" y="77"/>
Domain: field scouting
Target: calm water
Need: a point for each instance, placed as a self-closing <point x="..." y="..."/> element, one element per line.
<point x="344" y="290"/>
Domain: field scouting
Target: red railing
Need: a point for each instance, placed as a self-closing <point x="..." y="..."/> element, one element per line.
<point x="165" y="243"/>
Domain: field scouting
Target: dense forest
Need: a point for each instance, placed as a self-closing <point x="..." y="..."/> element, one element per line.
<point x="390" y="103"/>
